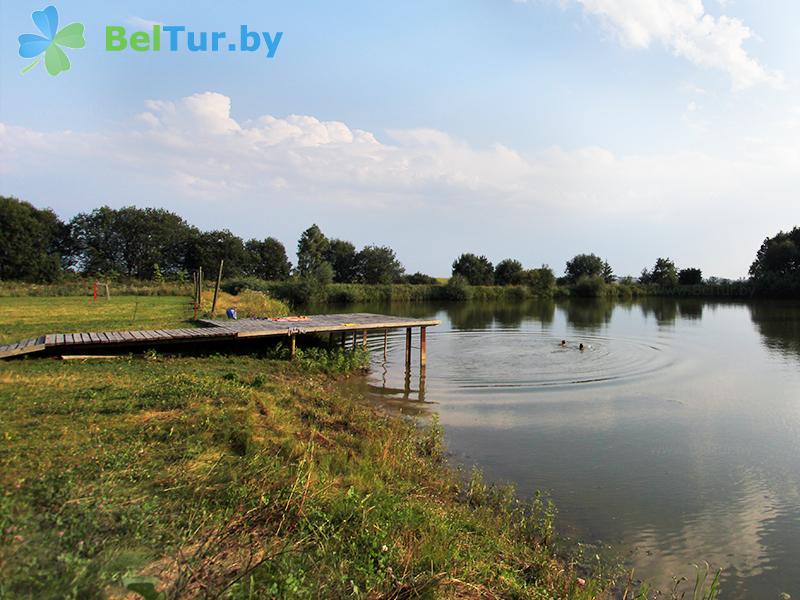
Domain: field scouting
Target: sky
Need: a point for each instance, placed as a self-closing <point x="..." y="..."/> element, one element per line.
<point x="535" y="130"/>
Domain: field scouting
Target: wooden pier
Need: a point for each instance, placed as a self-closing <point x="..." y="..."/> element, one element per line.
<point x="213" y="331"/>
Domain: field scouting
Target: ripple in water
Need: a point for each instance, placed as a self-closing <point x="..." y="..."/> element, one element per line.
<point x="524" y="360"/>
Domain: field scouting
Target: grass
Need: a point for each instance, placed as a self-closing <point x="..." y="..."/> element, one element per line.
<point x="246" y="477"/>
<point x="23" y="317"/>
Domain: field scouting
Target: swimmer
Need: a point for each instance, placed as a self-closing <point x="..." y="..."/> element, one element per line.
<point x="581" y="348"/>
<point x="563" y="343"/>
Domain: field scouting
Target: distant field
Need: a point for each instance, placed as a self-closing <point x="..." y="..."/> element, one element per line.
<point x="23" y="317"/>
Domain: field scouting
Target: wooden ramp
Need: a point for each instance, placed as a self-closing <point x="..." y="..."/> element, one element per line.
<point x="213" y="331"/>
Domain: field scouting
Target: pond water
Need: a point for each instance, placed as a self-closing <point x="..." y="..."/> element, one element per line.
<point x="674" y="436"/>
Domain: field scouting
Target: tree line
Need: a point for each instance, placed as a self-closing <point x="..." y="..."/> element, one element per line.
<point x="155" y="244"/>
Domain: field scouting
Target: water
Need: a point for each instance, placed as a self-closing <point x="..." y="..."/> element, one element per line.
<point x="674" y="436"/>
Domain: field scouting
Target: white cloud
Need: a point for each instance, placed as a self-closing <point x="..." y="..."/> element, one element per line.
<point x="686" y="29"/>
<point x="193" y="152"/>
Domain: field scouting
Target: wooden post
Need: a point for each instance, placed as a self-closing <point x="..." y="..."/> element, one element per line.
<point x="344" y="340"/>
<point x="423" y="358"/>
<point x="330" y="340"/>
<point x="216" y="287"/>
<point x="385" y="343"/>
<point x="108" y="293"/>
<point x="354" y="340"/>
<point x="364" y="340"/>
<point x="199" y="286"/>
<point x="292" y="346"/>
<point x="408" y="347"/>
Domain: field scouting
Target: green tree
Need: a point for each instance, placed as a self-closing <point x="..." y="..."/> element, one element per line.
<point x="130" y="241"/>
<point x="207" y="248"/>
<point x="267" y="259"/>
<point x="477" y="270"/>
<point x="312" y="249"/>
<point x="420" y="279"/>
<point x="542" y="281"/>
<point x="690" y="276"/>
<point x="33" y="242"/>
<point x="608" y="273"/>
<point x="508" y="272"/>
<point x="343" y="257"/>
<point x="589" y="265"/>
<point x="378" y="264"/>
<point x="664" y="273"/>
<point x="776" y="268"/>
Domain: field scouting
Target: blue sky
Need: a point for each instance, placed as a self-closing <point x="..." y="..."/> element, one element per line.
<point x="535" y="130"/>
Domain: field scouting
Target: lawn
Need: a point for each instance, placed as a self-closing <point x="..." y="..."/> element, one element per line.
<point x="24" y="317"/>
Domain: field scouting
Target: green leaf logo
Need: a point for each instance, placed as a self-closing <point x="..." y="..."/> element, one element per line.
<point x="32" y="45"/>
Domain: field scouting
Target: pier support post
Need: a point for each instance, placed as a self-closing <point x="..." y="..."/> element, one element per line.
<point x="364" y="339"/>
<point x="344" y="340"/>
<point x="355" y="334"/>
<point x="408" y="347"/>
<point x="292" y="346"/>
<point x="423" y="352"/>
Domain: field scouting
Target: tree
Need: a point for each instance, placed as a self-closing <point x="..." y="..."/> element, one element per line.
<point x="420" y="279"/>
<point x="130" y="241"/>
<point x="33" y="242"/>
<point x="608" y="273"/>
<point x="267" y="259"/>
<point x="477" y="270"/>
<point x="776" y="268"/>
<point x="664" y="273"/>
<point x="542" y="281"/>
<point x="508" y="272"/>
<point x="378" y="264"/>
<point x="311" y="250"/>
<point x="589" y="265"/>
<point x="690" y="276"/>
<point x="206" y="249"/>
<point x="342" y="256"/>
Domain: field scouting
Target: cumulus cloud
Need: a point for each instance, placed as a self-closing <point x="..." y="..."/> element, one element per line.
<point x="686" y="29"/>
<point x="195" y="146"/>
<point x="193" y="156"/>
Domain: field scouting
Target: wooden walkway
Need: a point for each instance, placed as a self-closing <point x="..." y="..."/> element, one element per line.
<point x="220" y="330"/>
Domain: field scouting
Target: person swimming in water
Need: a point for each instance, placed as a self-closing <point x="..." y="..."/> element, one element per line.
<point x="581" y="348"/>
<point x="563" y="343"/>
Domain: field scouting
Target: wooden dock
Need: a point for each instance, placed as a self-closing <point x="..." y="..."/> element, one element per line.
<point x="342" y="325"/>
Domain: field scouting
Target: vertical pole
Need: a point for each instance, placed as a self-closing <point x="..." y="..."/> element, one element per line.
<point x="344" y="340"/>
<point x="200" y="286"/>
<point x="216" y="287"/>
<point x="408" y="347"/>
<point x="364" y="339"/>
<point x="108" y="293"/>
<point x="293" y="346"/>
<point x="330" y="340"/>
<point x="94" y="292"/>
<point x="385" y="342"/>
<point x="354" y="341"/>
<point x="422" y="374"/>
<point x="423" y="352"/>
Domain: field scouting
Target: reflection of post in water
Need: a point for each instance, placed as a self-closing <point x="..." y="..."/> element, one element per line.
<point x="407" y="383"/>
<point x="421" y="393"/>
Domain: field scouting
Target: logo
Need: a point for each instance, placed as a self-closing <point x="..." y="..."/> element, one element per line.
<point x="50" y="42"/>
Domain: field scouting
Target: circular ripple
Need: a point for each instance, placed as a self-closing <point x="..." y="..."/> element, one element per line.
<point x="514" y="359"/>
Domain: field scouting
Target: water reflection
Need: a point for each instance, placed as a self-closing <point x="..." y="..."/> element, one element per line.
<point x="779" y="326"/>
<point x="675" y="435"/>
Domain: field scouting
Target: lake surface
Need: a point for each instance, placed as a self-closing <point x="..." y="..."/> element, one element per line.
<point x="674" y="437"/>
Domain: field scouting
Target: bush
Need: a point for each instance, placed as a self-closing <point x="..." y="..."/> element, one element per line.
<point x="589" y="286"/>
<point x="457" y="289"/>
